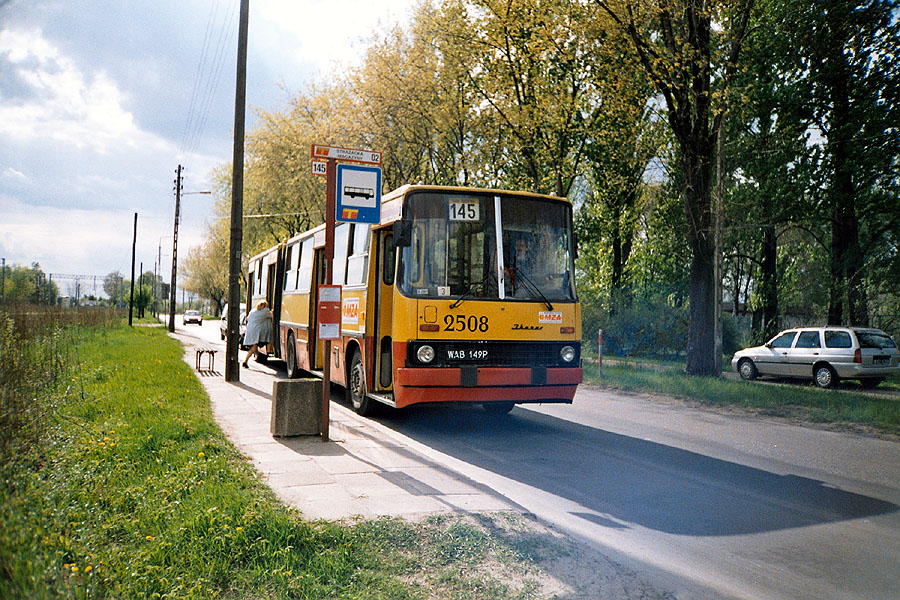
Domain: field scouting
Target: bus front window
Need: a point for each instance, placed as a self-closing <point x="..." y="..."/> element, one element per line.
<point x="537" y="249"/>
<point x="454" y="250"/>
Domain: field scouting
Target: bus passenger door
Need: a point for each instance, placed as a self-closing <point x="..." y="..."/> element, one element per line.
<point x="315" y="361"/>
<point x="384" y="308"/>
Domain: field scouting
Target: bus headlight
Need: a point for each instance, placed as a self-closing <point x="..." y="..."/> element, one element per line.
<point x="425" y="354"/>
<point x="567" y="353"/>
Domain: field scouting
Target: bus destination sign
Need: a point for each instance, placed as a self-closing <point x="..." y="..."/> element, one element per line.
<point x="348" y="154"/>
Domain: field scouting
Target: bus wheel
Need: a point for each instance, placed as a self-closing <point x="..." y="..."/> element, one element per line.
<point x="291" y="358"/>
<point x="498" y="408"/>
<point x="356" y="390"/>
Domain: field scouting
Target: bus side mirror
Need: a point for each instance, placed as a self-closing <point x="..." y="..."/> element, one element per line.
<point x="402" y="233"/>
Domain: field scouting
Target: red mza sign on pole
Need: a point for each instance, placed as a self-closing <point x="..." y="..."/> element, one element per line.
<point x="329" y="312"/>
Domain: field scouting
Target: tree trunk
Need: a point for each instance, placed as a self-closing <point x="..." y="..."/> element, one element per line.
<point x="701" y="343"/>
<point x="847" y="301"/>
<point x="769" y="282"/>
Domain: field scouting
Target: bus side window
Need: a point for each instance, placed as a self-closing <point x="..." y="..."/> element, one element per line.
<point x="359" y="255"/>
<point x="389" y="259"/>
<point x="339" y="264"/>
<point x="304" y="269"/>
<point x="260" y="275"/>
<point x="288" y="266"/>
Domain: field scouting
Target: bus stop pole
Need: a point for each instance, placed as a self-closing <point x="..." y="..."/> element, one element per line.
<point x="330" y="198"/>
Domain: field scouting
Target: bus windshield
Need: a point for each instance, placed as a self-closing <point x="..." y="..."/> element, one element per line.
<point x="487" y="247"/>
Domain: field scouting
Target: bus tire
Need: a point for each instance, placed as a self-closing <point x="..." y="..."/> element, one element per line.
<point x="356" y="387"/>
<point x="498" y="408"/>
<point x="290" y="358"/>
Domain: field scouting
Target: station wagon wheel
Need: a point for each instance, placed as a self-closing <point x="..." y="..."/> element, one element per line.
<point x="747" y="369"/>
<point x="824" y="376"/>
<point x="356" y="388"/>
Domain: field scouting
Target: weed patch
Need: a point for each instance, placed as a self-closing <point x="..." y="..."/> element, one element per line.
<point x="835" y="407"/>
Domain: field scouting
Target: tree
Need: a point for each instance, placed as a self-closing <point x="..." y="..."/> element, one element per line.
<point x="847" y="56"/>
<point x="206" y="266"/>
<point x="531" y="68"/>
<point x="24" y="284"/>
<point x="691" y="64"/>
<point x="623" y="140"/>
<point x="115" y="289"/>
<point x="416" y="103"/>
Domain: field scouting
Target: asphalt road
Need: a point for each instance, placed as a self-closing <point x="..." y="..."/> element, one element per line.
<point x="708" y="505"/>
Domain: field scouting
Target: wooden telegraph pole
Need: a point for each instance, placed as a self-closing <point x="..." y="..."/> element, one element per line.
<point x="232" y="365"/>
<point x="175" y="249"/>
<point x="133" y="248"/>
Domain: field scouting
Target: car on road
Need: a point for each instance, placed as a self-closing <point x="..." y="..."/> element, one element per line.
<point x="192" y="316"/>
<point x="824" y="354"/>
<point x="223" y="325"/>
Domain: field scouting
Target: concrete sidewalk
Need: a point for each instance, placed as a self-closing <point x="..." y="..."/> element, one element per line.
<point x="366" y="469"/>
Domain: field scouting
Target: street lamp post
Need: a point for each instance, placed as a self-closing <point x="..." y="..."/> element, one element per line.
<point x="178" y="195"/>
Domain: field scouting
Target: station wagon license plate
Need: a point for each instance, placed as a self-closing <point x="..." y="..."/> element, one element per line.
<point x="468" y="354"/>
<point x="881" y="361"/>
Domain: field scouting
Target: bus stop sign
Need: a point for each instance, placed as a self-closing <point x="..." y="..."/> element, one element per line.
<point x="358" y="194"/>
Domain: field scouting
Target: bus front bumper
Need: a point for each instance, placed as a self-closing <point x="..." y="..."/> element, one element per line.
<point x="486" y="384"/>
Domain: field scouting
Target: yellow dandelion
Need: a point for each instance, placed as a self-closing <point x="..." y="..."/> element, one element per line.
<point x="88" y="569"/>
<point x="149" y="538"/>
<point x="201" y="454"/>
<point x="74" y="569"/>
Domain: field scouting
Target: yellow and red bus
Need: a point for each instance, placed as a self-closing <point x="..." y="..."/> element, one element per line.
<point x="457" y="295"/>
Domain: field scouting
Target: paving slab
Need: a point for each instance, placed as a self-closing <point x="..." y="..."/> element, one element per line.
<point x="364" y="470"/>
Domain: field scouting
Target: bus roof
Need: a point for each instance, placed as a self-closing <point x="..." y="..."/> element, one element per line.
<point x="408" y="188"/>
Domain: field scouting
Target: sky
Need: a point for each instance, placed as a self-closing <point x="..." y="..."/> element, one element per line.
<point x="101" y="100"/>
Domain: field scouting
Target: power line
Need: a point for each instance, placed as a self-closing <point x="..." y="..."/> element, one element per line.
<point x="208" y="75"/>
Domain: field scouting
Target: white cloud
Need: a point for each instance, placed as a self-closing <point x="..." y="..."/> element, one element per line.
<point x="63" y="104"/>
<point x="14" y="176"/>
<point x="87" y="241"/>
<point x="328" y="32"/>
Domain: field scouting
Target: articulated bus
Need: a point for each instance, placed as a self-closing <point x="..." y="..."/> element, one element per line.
<point x="457" y="295"/>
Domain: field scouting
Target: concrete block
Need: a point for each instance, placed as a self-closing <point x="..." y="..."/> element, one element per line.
<point x="296" y="407"/>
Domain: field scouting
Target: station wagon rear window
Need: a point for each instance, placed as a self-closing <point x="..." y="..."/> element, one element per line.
<point x="870" y="339"/>
<point x="838" y="339"/>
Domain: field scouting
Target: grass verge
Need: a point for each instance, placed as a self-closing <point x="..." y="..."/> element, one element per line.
<point x="130" y="490"/>
<point x="835" y="407"/>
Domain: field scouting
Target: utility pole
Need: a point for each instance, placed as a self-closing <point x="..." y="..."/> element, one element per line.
<point x="133" y="247"/>
<point x="232" y="366"/>
<point x="175" y="249"/>
<point x="3" y="281"/>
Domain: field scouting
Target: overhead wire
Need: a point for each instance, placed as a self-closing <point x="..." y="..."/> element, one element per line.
<point x="219" y="36"/>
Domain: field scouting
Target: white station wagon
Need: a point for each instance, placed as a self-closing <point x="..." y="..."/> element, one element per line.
<point x="823" y="354"/>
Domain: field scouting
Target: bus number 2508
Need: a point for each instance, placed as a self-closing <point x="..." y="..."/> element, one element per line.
<point x="465" y="323"/>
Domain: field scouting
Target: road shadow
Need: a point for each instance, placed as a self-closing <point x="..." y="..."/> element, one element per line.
<point x="623" y="481"/>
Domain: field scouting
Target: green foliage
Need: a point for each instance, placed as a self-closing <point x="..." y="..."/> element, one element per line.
<point x="31" y="285"/>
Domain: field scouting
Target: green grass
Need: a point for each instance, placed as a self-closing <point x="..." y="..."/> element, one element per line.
<point x="794" y="400"/>
<point x="130" y="490"/>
